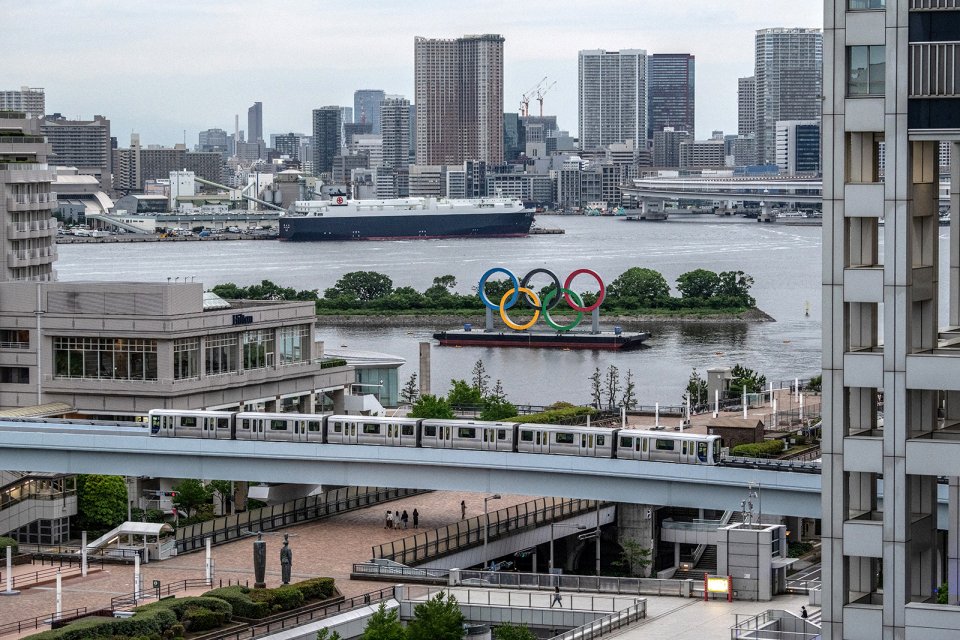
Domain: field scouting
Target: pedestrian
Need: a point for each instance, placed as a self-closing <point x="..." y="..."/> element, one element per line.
<point x="416" y="519"/>
<point x="803" y="613"/>
<point x="557" y="599"/>
<point x="389" y="521"/>
<point x="404" y="518"/>
<point x="463" y="510"/>
<point x="396" y="520"/>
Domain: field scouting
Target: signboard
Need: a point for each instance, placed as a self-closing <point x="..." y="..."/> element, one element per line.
<point x="156" y="584"/>
<point x="718" y="584"/>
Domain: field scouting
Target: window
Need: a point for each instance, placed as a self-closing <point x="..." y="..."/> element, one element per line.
<point x="258" y="349"/>
<point x="865" y="5"/>
<point x="626" y="443"/>
<point x="467" y="432"/>
<point x="866" y="67"/>
<point x="188" y="421"/>
<point x="186" y="358"/>
<point x="245" y="424"/>
<point x="406" y="430"/>
<point x="430" y="432"/>
<point x="313" y="425"/>
<point x="563" y="438"/>
<point x="702" y="451"/>
<point x="221" y="354"/>
<point x="526" y="436"/>
<point x="370" y="428"/>
<point x="223" y="423"/>
<point x="105" y="358"/>
<point x="14" y="338"/>
<point x="337" y="427"/>
<point x="293" y="344"/>
<point x="278" y="425"/>
<point x="601" y="440"/>
<point x="501" y="434"/>
<point x="665" y="445"/>
<point x="15" y="375"/>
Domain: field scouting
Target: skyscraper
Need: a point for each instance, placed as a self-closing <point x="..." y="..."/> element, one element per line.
<point x="255" y="122"/>
<point x="612" y="98"/>
<point x="326" y="138"/>
<point x="670" y="92"/>
<point x="29" y="100"/>
<point x="395" y="123"/>
<point x="459" y="98"/>
<point x="366" y="107"/>
<point x="789" y="81"/>
<point x="746" y="106"/>
<point x="84" y="144"/>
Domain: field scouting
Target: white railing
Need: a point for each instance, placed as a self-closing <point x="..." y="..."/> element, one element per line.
<point x="934" y="69"/>
<point x="920" y="5"/>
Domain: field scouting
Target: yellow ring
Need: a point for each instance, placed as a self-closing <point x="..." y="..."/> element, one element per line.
<point x="510" y="323"/>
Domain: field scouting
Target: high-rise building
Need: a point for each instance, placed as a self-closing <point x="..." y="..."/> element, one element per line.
<point x="351" y="129"/>
<point x="798" y="146"/>
<point x="84" y="144"/>
<point x="670" y="92"/>
<point x="29" y="100"/>
<point x="746" y="106"/>
<point x="213" y="140"/>
<point x="459" y="98"/>
<point x="134" y="166"/>
<point x="28" y="229"/>
<point x="346" y="116"/>
<point x="789" y="82"/>
<point x="612" y="98"/>
<point x="395" y="129"/>
<point x="702" y="154"/>
<point x="666" y="146"/>
<point x="288" y="144"/>
<point x="891" y="373"/>
<point x="326" y="138"/>
<point x="366" y="107"/>
<point x="205" y="164"/>
<point x="255" y="122"/>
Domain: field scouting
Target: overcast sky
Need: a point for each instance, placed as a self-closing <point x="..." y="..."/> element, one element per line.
<point x="162" y="68"/>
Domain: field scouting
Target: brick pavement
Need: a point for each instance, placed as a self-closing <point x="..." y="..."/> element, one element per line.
<point x="323" y="548"/>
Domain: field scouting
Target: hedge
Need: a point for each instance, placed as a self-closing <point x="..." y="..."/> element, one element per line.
<point x="145" y="623"/>
<point x="758" y="449"/>
<point x="241" y="602"/>
<point x="553" y="416"/>
<point x="259" y="603"/>
<point x="7" y="542"/>
<point x="316" y="588"/>
<point x="190" y="611"/>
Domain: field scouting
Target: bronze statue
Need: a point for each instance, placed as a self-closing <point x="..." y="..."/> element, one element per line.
<point x="286" y="560"/>
<point x="259" y="562"/>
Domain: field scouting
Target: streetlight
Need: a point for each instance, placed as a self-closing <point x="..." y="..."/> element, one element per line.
<point x="554" y="524"/>
<point x="486" y="524"/>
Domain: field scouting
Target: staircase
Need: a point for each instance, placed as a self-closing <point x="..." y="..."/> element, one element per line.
<point x="706" y="565"/>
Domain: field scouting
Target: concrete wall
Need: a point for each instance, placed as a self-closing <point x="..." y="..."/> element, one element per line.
<point x="745" y="554"/>
<point x="637" y="522"/>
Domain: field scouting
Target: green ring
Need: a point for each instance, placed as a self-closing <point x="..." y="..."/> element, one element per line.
<point x="545" y="305"/>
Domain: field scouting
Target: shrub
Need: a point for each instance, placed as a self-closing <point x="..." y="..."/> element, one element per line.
<point x="200" y="619"/>
<point x="149" y="624"/>
<point x="797" y="549"/>
<point x="758" y="449"/>
<point x="241" y="602"/>
<point x="179" y="606"/>
<point x="284" y="598"/>
<point x="316" y="588"/>
<point x="553" y="416"/>
<point x="7" y="542"/>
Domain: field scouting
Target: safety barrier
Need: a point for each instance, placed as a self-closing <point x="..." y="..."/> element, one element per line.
<point x="597" y="628"/>
<point x="468" y="533"/>
<point x="579" y="584"/>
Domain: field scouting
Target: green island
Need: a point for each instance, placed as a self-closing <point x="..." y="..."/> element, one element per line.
<point x="637" y="294"/>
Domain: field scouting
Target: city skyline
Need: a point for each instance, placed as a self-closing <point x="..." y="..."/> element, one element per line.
<point x="329" y="70"/>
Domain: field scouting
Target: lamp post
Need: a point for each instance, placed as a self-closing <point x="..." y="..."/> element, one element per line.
<point x="554" y="524"/>
<point x="486" y="524"/>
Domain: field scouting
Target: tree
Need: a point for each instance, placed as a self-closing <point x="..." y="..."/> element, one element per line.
<point x="497" y="394"/>
<point x="634" y="557"/>
<point x="497" y="409"/>
<point x="324" y="634"/>
<point x="629" y="397"/>
<point x="745" y="379"/>
<point x="410" y="391"/>
<point x="430" y="406"/>
<point x="384" y="625"/>
<point x="495" y="289"/>
<point x="595" y="387"/>
<point x="447" y="282"/>
<point x="101" y="501"/>
<point x="736" y="286"/>
<point x="221" y="490"/>
<point x="646" y="286"/>
<point x="699" y="284"/>
<point x="462" y="394"/>
<point x="361" y="285"/>
<point x="509" y="631"/>
<point x="480" y="378"/>
<point x="613" y="385"/>
<point x="191" y="494"/>
<point x="696" y="389"/>
<point x="229" y="291"/>
<point x="438" y="618"/>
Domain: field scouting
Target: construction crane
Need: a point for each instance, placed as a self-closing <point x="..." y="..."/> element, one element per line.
<point x="525" y="99"/>
<point x="543" y="92"/>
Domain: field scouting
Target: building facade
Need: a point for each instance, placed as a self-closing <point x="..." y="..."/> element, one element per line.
<point x="798" y="146"/>
<point x="366" y="107"/>
<point x="255" y="122"/>
<point x="395" y="130"/>
<point x="612" y="98"/>
<point x="28" y="229"/>
<point x="789" y="82"/>
<point x="84" y="144"/>
<point x="288" y="144"/>
<point x="28" y="100"/>
<point x="666" y="146"/>
<point x="891" y="375"/>
<point x="702" y="154"/>
<point x="671" y="84"/>
<point x="214" y="140"/>
<point x="326" y="138"/>
<point x="459" y="98"/>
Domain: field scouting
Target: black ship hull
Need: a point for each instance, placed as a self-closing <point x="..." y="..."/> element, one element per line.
<point x="403" y="226"/>
<point x="543" y="340"/>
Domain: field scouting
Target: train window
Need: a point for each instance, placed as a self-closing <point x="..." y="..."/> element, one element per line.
<point x="501" y="434"/>
<point x="245" y="424"/>
<point x="278" y="425"/>
<point x="684" y="447"/>
<point x="626" y="443"/>
<point x="313" y="425"/>
<point x="702" y="451"/>
<point x="406" y="430"/>
<point x="337" y="427"/>
<point x="467" y="432"/>
<point x="716" y="451"/>
<point x="539" y="434"/>
<point x="526" y="436"/>
<point x="600" y="441"/>
<point x="590" y="441"/>
<point x="188" y="421"/>
<point x="155" y="423"/>
<point x="564" y="438"/>
<point x="665" y="445"/>
<point x="370" y="428"/>
<point x="430" y="432"/>
<point x="646" y="443"/>
<point x="223" y="423"/>
<point x="447" y="431"/>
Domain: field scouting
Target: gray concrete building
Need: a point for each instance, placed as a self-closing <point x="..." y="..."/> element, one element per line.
<point x="366" y="108"/>
<point x="28" y="100"/>
<point x="326" y="138"/>
<point x="205" y="164"/>
<point x="395" y="129"/>
<point x="255" y="122"/>
<point x="612" y="93"/>
<point x="27" y="227"/>
<point x="891" y="373"/>
<point x="666" y="146"/>
<point x="702" y="154"/>
<point x="671" y="92"/>
<point x="84" y="144"/>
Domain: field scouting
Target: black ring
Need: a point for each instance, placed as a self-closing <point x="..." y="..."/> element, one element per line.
<point x="556" y="282"/>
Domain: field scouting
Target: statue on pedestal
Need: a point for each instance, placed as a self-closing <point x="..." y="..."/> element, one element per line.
<point x="286" y="560"/>
<point x="259" y="562"/>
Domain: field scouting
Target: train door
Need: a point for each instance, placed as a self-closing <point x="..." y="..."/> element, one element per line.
<point x="393" y="436"/>
<point x="488" y="440"/>
<point x="588" y="445"/>
<point x="643" y="446"/>
<point x="208" y="427"/>
<point x="312" y="431"/>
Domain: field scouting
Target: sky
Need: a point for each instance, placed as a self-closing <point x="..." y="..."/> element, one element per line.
<point x="162" y="69"/>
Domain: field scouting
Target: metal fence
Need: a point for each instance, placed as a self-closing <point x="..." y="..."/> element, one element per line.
<point x="468" y="533"/>
<point x="130" y="600"/>
<point x="37" y="621"/>
<point x="597" y="628"/>
<point x="227" y="528"/>
<point x="388" y="570"/>
<point x="582" y="584"/>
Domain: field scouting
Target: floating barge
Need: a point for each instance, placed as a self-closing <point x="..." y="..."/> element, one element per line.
<point x="604" y="340"/>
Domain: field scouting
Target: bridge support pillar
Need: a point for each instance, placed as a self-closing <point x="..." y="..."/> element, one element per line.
<point x="306" y="403"/>
<point x="337" y="397"/>
<point x="636" y="523"/>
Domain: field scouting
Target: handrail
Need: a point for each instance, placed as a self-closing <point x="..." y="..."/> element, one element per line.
<point x="132" y="599"/>
<point x="611" y="622"/>
<point x="580" y="584"/>
<point x="20" y="626"/>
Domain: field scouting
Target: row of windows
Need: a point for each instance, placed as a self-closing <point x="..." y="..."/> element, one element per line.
<point x="105" y="358"/>
<point x="865" y="5"/>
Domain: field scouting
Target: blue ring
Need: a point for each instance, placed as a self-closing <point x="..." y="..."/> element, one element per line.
<point x="483" y="294"/>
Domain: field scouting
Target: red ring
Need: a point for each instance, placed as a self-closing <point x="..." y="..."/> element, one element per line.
<point x="595" y="305"/>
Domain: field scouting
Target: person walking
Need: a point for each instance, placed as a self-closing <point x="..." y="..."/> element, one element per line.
<point x="463" y="510"/>
<point x="404" y="518"/>
<point x="803" y="613"/>
<point x="416" y="519"/>
<point x="389" y="521"/>
<point x="557" y="598"/>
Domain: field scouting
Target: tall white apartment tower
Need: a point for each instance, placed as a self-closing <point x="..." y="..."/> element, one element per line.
<point x="395" y="130"/>
<point x="891" y="370"/>
<point x="788" y="74"/>
<point x="612" y="98"/>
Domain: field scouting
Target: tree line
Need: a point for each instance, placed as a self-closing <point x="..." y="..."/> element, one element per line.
<point x="637" y="289"/>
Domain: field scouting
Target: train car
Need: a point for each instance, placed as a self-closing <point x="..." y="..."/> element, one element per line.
<point x="394" y="432"/>
<point x="191" y="424"/>
<point x="659" y="446"/>
<point x="467" y="434"/>
<point x="591" y="442"/>
<point x="290" y="427"/>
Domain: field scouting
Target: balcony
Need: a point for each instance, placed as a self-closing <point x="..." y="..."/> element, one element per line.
<point x="31" y="257"/>
<point x="934" y="70"/>
<point x="27" y="230"/>
<point x="31" y="202"/>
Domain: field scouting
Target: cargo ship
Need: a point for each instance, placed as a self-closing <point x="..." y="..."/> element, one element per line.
<point x="404" y="218"/>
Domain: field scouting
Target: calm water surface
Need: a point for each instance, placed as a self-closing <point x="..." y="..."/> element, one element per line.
<point x="784" y="261"/>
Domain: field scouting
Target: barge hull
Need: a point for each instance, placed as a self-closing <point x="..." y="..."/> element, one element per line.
<point x="532" y="340"/>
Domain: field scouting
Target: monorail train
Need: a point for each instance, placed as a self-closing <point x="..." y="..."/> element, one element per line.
<point x="594" y="442"/>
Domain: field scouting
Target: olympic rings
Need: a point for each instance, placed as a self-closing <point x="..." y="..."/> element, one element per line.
<point x="550" y="300"/>
<point x="503" y="309"/>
